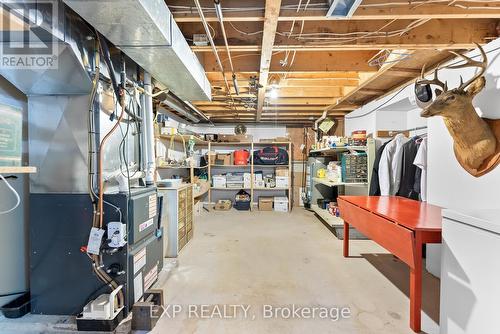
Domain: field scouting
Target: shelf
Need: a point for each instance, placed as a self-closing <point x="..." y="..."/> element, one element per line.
<point x="273" y="143"/>
<point x="271" y="166"/>
<point x="335" y="184"/>
<point x="177" y="138"/>
<point x="339" y="149"/>
<point x="230" y="166"/>
<point x="201" y="193"/>
<point x="230" y="143"/>
<point x="180" y="167"/>
<point x="327" y="217"/>
<point x="17" y="170"/>
<point x="271" y="189"/>
<point x="234" y="189"/>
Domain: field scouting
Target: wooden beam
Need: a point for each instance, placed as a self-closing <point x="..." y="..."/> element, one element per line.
<point x="366" y="11"/>
<point x="434" y="34"/>
<point x="215" y="108"/>
<point x="403" y="72"/>
<point x="244" y="75"/>
<point x="272" y="11"/>
<point x="243" y="85"/>
<point x="371" y="91"/>
<point x="335" y="61"/>
<point x="310" y="92"/>
<point x="391" y="62"/>
<point x="306" y="101"/>
<point x="437" y="34"/>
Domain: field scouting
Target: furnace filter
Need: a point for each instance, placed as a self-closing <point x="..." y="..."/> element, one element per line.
<point x="11" y="135"/>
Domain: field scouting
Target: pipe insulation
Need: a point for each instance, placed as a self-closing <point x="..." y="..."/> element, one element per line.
<point x="149" y="130"/>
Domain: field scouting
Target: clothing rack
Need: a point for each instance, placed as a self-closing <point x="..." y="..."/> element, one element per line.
<point x="392" y="133"/>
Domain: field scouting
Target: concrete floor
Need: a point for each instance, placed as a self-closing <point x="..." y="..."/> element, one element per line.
<point x="280" y="259"/>
<point x="276" y="259"/>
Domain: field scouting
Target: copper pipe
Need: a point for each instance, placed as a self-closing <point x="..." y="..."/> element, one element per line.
<point x="101" y="149"/>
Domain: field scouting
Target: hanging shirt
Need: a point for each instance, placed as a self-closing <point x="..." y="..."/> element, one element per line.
<point x="421" y="162"/>
<point x="409" y="171"/>
<point x="374" y="183"/>
<point x="389" y="169"/>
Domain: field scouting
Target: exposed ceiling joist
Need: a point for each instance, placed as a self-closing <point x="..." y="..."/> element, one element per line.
<point x="272" y="12"/>
<point x="342" y="36"/>
<point x="337" y="61"/>
<point x="369" y="10"/>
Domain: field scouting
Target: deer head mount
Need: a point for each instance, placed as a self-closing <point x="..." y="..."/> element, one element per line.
<point x="476" y="140"/>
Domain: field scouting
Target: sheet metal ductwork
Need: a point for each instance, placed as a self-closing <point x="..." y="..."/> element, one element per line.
<point x="146" y="32"/>
<point x="69" y="76"/>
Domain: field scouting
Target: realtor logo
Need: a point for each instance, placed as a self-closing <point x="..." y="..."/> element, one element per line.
<point x="27" y="29"/>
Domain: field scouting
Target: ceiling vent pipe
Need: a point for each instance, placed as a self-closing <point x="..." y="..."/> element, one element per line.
<point x="146" y="32"/>
<point x="183" y="108"/>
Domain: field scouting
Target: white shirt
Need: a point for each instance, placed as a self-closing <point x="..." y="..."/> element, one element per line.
<point x="421" y="162"/>
<point x="390" y="167"/>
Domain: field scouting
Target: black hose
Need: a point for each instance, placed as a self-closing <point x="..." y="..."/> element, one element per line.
<point x="109" y="64"/>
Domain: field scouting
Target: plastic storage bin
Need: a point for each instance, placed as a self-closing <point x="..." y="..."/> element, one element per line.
<point x="18" y="307"/>
<point x="242" y="205"/>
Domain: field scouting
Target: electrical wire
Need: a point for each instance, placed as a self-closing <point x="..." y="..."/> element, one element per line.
<point x="13" y="294"/>
<point x="18" y="199"/>
<point x="98" y="212"/>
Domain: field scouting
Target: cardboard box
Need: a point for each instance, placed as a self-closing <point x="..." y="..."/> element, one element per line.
<point x="223" y="205"/>
<point x="281" y="204"/>
<point x="219" y="181"/>
<point x="225" y="159"/>
<point x="281" y="171"/>
<point x="211" y="157"/>
<point x="282" y="182"/>
<point x="247" y="180"/>
<point x="259" y="184"/>
<point x="265" y="203"/>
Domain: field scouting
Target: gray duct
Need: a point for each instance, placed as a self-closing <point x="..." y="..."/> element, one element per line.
<point x="146" y="32"/>
<point x="149" y="130"/>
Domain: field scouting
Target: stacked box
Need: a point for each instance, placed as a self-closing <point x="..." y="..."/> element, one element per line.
<point x="281" y="204"/>
<point x="234" y="180"/>
<point x="281" y="181"/>
<point x="219" y="181"/>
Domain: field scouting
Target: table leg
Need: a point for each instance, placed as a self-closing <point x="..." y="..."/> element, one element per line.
<point x="346" y="239"/>
<point x="416" y="286"/>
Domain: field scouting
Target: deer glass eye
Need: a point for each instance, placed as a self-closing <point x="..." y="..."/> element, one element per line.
<point x="450" y="98"/>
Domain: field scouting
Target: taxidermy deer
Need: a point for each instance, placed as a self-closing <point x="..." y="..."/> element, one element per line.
<point x="475" y="139"/>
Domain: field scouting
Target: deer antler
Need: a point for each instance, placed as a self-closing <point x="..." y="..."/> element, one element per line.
<point x="469" y="62"/>
<point x="435" y="81"/>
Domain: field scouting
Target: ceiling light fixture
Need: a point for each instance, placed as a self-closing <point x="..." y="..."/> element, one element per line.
<point x="273" y="93"/>
<point x="342" y="8"/>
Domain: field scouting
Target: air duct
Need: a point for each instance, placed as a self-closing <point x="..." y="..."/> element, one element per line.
<point x="146" y="32"/>
<point x="342" y="8"/>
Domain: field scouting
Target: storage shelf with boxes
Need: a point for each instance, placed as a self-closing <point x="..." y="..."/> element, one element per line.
<point x="257" y="167"/>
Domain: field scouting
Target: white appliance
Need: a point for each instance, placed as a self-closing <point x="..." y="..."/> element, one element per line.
<point x="470" y="272"/>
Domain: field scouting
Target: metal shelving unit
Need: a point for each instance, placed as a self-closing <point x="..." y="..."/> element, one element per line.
<point x="357" y="188"/>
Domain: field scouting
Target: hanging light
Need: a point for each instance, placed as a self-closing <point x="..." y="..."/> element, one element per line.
<point x="273" y="93"/>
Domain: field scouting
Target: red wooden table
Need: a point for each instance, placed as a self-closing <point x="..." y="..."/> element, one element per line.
<point x="400" y="225"/>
